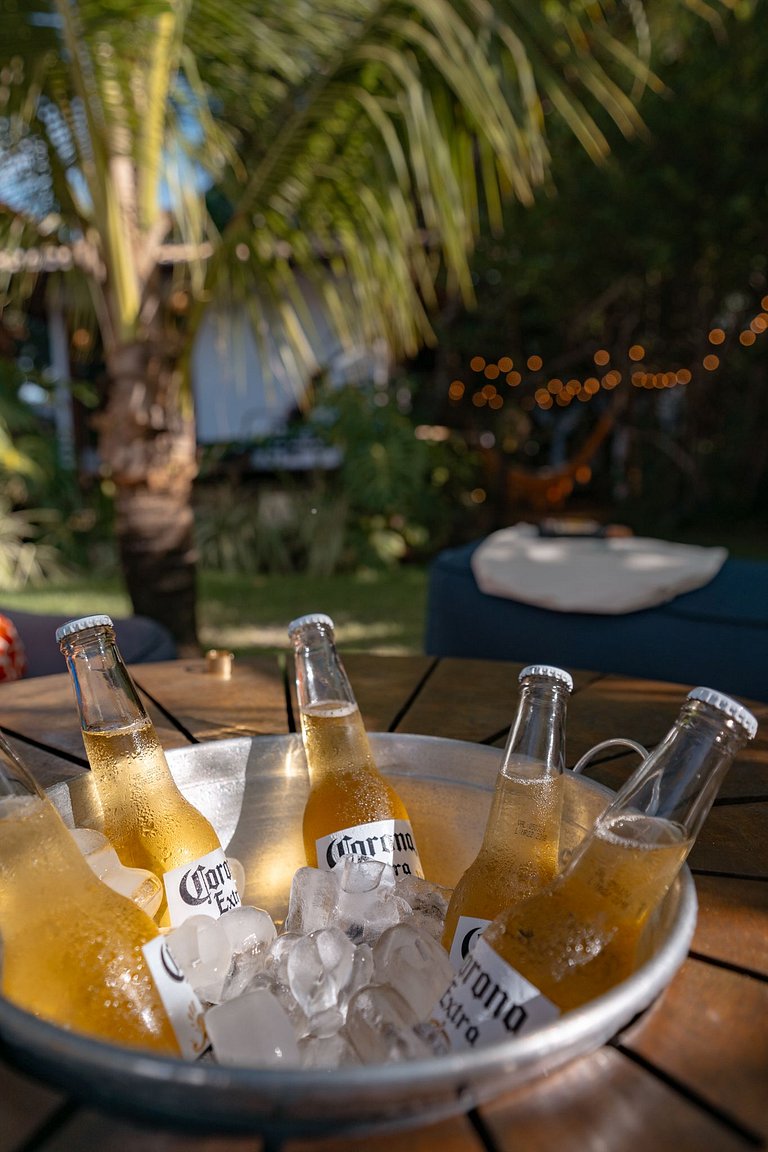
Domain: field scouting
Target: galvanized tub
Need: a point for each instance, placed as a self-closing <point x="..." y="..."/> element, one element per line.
<point x="253" y="791"/>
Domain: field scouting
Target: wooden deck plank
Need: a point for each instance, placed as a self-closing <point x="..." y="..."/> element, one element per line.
<point x="465" y="700"/>
<point x="455" y="1135"/>
<point x="732" y="924"/>
<point x="621" y="706"/>
<point x="382" y="685"/>
<point x="43" y="710"/>
<point x="87" y="1131"/>
<point x="708" y="1033"/>
<point x="729" y="840"/>
<point x="604" y="1101"/>
<point x="251" y="703"/>
<point x="26" y="1105"/>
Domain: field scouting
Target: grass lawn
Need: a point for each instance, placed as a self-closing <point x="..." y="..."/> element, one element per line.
<point x="374" y="612"/>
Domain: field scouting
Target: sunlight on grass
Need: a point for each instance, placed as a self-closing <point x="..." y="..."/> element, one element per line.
<point x="383" y="639"/>
<point x="380" y="612"/>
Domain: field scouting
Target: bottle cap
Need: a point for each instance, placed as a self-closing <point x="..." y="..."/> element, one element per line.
<point x="73" y="626"/>
<point x="549" y="672"/>
<point x="313" y="618"/>
<point x="729" y="706"/>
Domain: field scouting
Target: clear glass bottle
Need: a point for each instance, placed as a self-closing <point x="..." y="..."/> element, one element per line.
<point x="148" y="821"/>
<point x="520" y="847"/>
<point x="75" y="952"/>
<point x="351" y="809"/>
<point x="583" y="934"/>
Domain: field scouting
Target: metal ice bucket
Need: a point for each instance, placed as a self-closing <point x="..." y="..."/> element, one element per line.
<point x="253" y="791"/>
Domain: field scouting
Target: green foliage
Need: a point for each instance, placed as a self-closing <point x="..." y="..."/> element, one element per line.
<point x="345" y="142"/>
<point x="400" y="493"/>
<point x="656" y="247"/>
<point x="48" y="524"/>
<point x="406" y="492"/>
<point x="244" y="526"/>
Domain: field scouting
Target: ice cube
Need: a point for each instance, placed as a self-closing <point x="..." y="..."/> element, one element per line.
<point x="427" y="901"/>
<point x="379" y="1027"/>
<point x="276" y="959"/>
<point x="358" y="874"/>
<point x="312" y="900"/>
<point x="362" y="973"/>
<point x="139" y="885"/>
<point x="319" y="967"/>
<point x="252" y="1031"/>
<point x="201" y="949"/>
<point x="326" y="1051"/>
<point x="360" y="898"/>
<point x="369" y="901"/>
<point x="415" y="964"/>
<point x="250" y="932"/>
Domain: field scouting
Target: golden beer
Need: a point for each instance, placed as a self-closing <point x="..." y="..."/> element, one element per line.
<point x="351" y="810"/>
<point x="72" y="948"/>
<point x="581" y="936"/>
<point x="346" y="787"/>
<point x="146" y="818"/>
<point x="149" y="822"/>
<point x="521" y="842"/>
<point x="519" y="853"/>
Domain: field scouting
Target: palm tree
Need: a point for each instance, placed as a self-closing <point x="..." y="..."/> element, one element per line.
<point x="166" y="153"/>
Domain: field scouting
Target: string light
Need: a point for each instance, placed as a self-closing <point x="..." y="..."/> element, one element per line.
<point x="557" y="392"/>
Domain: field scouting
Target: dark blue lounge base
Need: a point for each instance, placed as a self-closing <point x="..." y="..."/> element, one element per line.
<point x="716" y="636"/>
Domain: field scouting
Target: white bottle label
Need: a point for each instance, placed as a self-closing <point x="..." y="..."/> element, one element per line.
<point x="468" y="928"/>
<point x="488" y="1001"/>
<point x="390" y="841"/>
<point x="201" y="887"/>
<point x="184" y="1010"/>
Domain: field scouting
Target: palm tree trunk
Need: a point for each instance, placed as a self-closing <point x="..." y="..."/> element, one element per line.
<point x="148" y="449"/>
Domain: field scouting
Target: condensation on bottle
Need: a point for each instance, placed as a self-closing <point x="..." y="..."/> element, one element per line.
<point x="521" y="842"/>
<point x="76" y="953"/>
<point x="587" y="930"/>
<point x="147" y="819"/>
<point x="351" y="810"/>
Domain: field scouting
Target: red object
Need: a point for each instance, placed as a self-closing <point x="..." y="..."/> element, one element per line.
<point x="13" y="658"/>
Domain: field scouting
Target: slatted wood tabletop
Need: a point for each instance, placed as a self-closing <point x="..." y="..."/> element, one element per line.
<point x="689" y="1073"/>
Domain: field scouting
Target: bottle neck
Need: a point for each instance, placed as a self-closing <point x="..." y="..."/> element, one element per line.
<point x="320" y="674"/>
<point x="536" y="742"/>
<point x="679" y="780"/>
<point x="106" y="696"/>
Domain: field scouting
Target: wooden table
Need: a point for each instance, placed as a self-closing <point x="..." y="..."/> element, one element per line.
<point x="691" y="1073"/>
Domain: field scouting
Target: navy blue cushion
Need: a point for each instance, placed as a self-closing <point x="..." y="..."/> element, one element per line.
<point x="140" y="640"/>
<point x="715" y="636"/>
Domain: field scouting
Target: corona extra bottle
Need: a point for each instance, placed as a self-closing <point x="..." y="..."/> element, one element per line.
<point x="148" y="821"/>
<point x="75" y="952"/>
<point x="351" y="809"/>
<point x="520" y="847"/>
<point x="583" y="933"/>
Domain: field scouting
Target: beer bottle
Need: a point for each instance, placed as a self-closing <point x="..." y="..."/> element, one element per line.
<point x="75" y="952"/>
<point x="584" y="932"/>
<point x="520" y="847"/>
<point x="351" y="809"/>
<point x="148" y="821"/>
